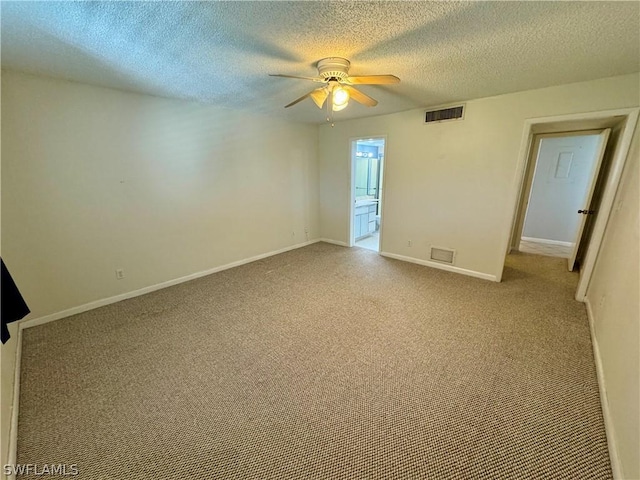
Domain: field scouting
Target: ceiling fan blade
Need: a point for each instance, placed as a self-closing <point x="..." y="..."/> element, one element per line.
<point x="373" y="79"/>
<point x="313" y="79"/>
<point x="298" y="100"/>
<point x="360" y="97"/>
<point x="319" y="95"/>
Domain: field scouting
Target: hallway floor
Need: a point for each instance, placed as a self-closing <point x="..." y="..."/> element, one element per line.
<point x="546" y="249"/>
<point x="370" y="243"/>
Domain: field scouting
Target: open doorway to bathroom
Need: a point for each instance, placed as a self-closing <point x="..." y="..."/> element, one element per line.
<point x="367" y="169"/>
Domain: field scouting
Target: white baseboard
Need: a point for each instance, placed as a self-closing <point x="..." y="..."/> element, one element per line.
<point x="440" y="266"/>
<point x="616" y="467"/>
<point x="547" y="242"/>
<point x="32" y="322"/>
<point x="334" y="242"/>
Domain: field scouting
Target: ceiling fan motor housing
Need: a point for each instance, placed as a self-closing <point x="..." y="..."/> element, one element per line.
<point x="334" y="67"/>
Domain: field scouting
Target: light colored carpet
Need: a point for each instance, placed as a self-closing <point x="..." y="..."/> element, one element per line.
<point x="323" y="362"/>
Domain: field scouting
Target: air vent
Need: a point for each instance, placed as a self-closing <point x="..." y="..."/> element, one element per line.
<point x="443" y="255"/>
<point x="445" y="114"/>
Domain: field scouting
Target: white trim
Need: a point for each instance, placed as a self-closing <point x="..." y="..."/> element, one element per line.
<point x="352" y="188"/>
<point x="616" y="466"/>
<point x="606" y="204"/>
<point x="609" y="192"/>
<point x="334" y="242"/>
<point x="352" y="192"/>
<point x="583" y="116"/>
<point x="527" y="144"/>
<point x="15" y="404"/>
<point x="441" y="266"/>
<point x="152" y="288"/>
<point x="547" y="242"/>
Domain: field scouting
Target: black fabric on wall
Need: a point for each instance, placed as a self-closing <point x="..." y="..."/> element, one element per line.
<point x="13" y="306"/>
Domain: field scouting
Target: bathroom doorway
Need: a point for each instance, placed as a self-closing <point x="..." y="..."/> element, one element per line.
<point x="367" y="171"/>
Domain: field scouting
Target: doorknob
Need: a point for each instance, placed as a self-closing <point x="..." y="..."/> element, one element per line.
<point x="587" y="212"/>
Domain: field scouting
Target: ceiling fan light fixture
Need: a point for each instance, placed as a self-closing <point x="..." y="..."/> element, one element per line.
<point x="340" y="98"/>
<point x="333" y="73"/>
<point x="337" y="108"/>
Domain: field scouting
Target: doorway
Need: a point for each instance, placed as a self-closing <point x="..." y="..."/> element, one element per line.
<point x="622" y="123"/>
<point x="367" y="172"/>
<point x="561" y="184"/>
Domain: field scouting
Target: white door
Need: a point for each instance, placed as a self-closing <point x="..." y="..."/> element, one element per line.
<point x="584" y="211"/>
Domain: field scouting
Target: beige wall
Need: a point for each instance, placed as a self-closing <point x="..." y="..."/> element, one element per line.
<point x="451" y="184"/>
<point x="614" y="298"/>
<point x="95" y="179"/>
<point x="7" y="364"/>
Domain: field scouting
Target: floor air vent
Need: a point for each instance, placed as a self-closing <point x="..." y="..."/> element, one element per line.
<point x="443" y="255"/>
<point x="445" y="114"/>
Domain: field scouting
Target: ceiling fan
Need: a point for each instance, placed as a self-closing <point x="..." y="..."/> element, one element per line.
<point x="333" y="73"/>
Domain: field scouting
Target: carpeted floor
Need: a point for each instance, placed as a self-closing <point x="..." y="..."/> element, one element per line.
<point x="323" y="362"/>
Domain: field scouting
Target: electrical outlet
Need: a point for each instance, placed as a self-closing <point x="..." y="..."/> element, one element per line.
<point x="409" y="243"/>
<point x="119" y="274"/>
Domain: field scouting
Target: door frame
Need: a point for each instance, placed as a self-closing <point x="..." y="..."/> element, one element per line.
<point x="352" y="186"/>
<point x="527" y="185"/>
<point x="628" y="117"/>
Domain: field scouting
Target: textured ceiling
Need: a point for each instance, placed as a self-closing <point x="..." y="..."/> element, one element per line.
<point x="221" y="52"/>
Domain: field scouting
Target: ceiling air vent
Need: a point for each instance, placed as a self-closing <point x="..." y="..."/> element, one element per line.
<point x="443" y="255"/>
<point x="445" y="114"/>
